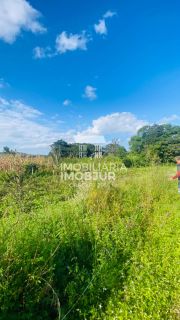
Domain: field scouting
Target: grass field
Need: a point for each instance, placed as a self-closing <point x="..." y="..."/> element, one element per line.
<point x="89" y="249"/>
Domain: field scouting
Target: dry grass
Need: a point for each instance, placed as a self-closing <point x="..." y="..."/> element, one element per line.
<point x="16" y="163"/>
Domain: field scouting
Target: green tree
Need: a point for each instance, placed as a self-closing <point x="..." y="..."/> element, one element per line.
<point x="59" y="149"/>
<point x="115" y="149"/>
<point x="7" y="150"/>
<point x="158" y="143"/>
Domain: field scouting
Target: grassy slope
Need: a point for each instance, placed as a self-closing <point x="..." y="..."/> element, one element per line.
<point x="109" y="252"/>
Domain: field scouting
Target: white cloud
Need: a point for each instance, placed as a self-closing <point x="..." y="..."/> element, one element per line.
<point x="40" y="53"/>
<point x="64" y="42"/>
<point x="90" y="93"/>
<point x="67" y="102"/>
<point x="118" y="123"/>
<point x="23" y="127"/>
<point x="169" y="119"/>
<point x="101" y="28"/>
<point x="71" y="42"/>
<point x="109" y="14"/>
<point x="16" y="16"/>
<point x="85" y="137"/>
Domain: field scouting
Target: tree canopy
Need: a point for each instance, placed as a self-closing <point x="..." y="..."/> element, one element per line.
<point x="158" y="142"/>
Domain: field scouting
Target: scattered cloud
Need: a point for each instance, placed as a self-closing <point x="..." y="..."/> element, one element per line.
<point x="71" y="42"/>
<point x="109" y="14"/>
<point x="169" y="119"/>
<point x="67" y="102"/>
<point x="16" y="16"/>
<point x="90" y="93"/>
<point x="101" y="27"/>
<point x="40" y="53"/>
<point x="64" y="42"/>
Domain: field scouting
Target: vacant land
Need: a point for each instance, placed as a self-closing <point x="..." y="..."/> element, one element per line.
<point x="89" y="249"/>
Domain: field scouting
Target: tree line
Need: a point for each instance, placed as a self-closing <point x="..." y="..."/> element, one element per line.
<point x="153" y="144"/>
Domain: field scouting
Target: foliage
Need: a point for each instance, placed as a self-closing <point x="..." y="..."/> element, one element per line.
<point x="62" y="149"/>
<point x="116" y="150"/>
<point x="7" y="150"/>
<point x="157" y="143"/>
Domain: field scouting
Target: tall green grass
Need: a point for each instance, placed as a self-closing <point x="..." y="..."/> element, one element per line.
<point x="107" y="250"/>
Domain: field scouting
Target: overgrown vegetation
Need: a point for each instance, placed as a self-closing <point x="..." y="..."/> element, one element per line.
<point x="89" y="250"/>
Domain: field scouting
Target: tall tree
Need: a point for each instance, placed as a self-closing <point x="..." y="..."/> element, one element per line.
<point x="160" y="142"/>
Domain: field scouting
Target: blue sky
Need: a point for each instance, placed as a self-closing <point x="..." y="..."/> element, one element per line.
<point x="86" y="71"/>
